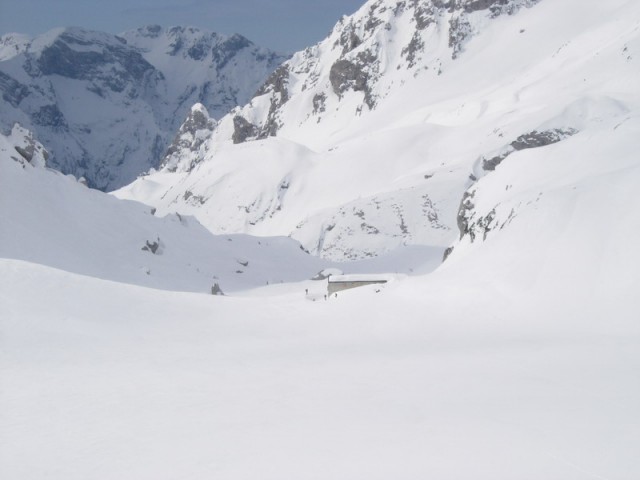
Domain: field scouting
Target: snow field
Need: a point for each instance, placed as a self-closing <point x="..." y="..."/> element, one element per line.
<point x="105" y="380"/>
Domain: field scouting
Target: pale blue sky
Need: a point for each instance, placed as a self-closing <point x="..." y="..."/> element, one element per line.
<point x="284" y="25"/>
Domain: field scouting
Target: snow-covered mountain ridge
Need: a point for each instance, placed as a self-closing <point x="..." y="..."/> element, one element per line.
<point x="357" y="168"/>
<point x="108" y="106"/>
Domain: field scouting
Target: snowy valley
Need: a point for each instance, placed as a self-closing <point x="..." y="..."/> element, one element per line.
<point x="482" y="156"/>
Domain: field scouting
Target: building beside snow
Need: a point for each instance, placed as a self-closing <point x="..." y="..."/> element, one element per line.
<point x="337" y="283"/>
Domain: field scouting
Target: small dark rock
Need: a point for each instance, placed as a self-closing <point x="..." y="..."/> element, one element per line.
<point x="216" y="290"/>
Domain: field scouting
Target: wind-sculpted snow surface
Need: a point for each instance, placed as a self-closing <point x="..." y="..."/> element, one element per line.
<point x="379" y="131"/>
<point x="108" y="106"/>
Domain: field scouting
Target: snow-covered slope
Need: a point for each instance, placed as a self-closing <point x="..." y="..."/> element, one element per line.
<point x="379" y="151"/>
<point x="463" y="374"/>
<point x="108" y="106"/>
<point x="52" y="219"/>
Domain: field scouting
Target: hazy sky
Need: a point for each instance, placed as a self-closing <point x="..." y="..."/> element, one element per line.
<point x="284" y="25"/>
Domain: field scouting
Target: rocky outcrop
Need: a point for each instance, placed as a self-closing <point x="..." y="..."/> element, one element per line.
<point x="243" y="130"/>
<point x="346" y="75"/>
<point x="277" y="87"/>
<point x="184" y="151"/>
<point x="29" y="150"/>
<point x="533" y="139"/>
<point x="473" y="225"/>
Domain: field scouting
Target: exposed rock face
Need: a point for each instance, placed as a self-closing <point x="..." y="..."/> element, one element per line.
<point x="277" y="83"/>
<point x="75" y="56"/>
<point x="533" y="139"/>
<point x="464" y="212"/>
<point x="108" y="106"/>
<point x="537" y="139"/>
<point x="319" y="103"/>
<point x="216" y="290"/>
<point x="475" y="226"/>
<point x="346" y="75"/>
<point x="29" y="150"/>
<point x="277" y="87"/>
<point x="243" y="130"/>
<point x="424" y="13"/>
<point x="190" y="138"/>
<point x="13" y="91"/>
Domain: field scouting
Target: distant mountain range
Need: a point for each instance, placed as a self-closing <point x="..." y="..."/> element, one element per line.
<point x="108" y="106"/>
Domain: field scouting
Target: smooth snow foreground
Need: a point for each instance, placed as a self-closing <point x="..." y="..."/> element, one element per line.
<point x="102" y="380"/>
